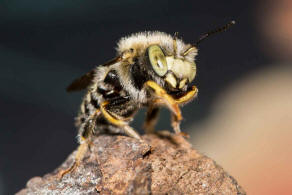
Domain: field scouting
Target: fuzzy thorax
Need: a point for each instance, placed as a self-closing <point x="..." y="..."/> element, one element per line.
<point x="141" y="41"/>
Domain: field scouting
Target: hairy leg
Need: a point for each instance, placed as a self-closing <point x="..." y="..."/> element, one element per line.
<point x="188" y="96"/>
<point x="183" y="100"/>
<point x="151" y="118"/>
<point x="165" y="98"/>
<point x="118" y="121"/>
<point x="171" y="103"/>
<point x="85" y="141"/>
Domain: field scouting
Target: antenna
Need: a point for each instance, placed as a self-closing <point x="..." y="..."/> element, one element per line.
<point x="174" y="42"/>
<point x="220" y="29"/>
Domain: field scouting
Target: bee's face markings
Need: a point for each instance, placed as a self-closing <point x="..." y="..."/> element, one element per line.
<point x="176" y="71"/>
<point x="182" y="69"/>
<point x="171" y="80"/>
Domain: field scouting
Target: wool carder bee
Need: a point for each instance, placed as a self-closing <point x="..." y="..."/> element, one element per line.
<point x="152" y="69"/>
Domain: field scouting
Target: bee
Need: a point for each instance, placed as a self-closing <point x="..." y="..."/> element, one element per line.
<point x="152" y="69"/>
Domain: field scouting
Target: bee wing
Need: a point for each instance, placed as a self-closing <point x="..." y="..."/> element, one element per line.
<point x="82" y="82"/>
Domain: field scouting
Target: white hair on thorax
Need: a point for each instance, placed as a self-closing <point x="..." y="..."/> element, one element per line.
<point x="142" y="40"/>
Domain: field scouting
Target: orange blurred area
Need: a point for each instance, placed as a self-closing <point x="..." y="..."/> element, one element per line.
<point x="274" y="21"/>
<point x="250" y="129"/>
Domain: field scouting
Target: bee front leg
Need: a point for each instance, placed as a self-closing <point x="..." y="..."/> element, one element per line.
<point x="188" y="96"/>
<point x="165" y="99"/>
<point x="121" y="122"/>
<point x="151" y="118"/>
<point x="175" y="123"/>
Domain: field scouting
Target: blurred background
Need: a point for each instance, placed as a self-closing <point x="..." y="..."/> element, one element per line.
<point x="242" y="117"/>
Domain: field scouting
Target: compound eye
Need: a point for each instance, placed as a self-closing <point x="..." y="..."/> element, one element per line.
<point x="157" y="60"/>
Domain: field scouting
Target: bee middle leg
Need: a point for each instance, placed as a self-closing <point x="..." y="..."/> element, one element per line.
<point x="118" y="121"/>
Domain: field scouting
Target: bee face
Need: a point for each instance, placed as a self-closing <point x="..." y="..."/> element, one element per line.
<point x="162" y="58"/>
<point x="180" y="72"/>
<point x="177" y="72"/>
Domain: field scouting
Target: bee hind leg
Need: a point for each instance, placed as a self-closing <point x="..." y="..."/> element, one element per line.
<point x="85" y="142"/>
<point x="81" y="151"/>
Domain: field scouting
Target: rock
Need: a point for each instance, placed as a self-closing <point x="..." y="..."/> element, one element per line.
<point x="162" y="164"/>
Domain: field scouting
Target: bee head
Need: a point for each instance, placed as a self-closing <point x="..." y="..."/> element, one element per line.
<point x="160" y="57"/>
<point x="174" y="68"/>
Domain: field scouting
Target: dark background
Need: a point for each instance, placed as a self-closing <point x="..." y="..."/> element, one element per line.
<point x="44" y="45"/>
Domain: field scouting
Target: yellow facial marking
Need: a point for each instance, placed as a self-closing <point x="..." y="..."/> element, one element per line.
<point x="171" y="80"/>
<point x="181" y="68"/>
<point x="182" y="83"/>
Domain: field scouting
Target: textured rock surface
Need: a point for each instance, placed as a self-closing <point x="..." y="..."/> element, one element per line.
<point x="123" y="165"/>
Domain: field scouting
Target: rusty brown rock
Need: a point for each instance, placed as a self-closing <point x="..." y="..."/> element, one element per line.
<point x="162" y="164"/>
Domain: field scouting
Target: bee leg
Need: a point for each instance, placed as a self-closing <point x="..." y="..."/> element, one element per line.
<point x="151" y="118"/>
<point x="85" y="142"/>
<point x="81" y="151"/>
<point x="176" y="126"/>
<point x="121" y="122"/>
<point x="165" y="98"/>
<point x="171" y="103"/>
<point x="175" y="123"/>
<point x="188" y="96"/>
<point x="182" y="100"/>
